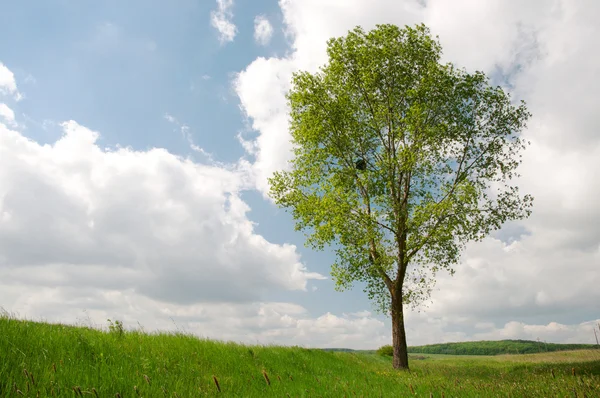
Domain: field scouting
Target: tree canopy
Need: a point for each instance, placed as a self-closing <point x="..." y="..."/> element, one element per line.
<point x="399" y="161"/>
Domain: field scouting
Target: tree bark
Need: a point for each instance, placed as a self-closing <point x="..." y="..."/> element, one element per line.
<point x="399" y="334"/>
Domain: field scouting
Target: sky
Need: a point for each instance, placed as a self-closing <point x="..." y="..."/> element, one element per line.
<point x="136" y="139"/>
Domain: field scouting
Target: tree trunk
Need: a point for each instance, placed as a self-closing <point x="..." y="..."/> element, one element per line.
<point x="399" y="334"/>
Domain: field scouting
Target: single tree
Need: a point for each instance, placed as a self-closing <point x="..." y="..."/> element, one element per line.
<point x="399" y="160"/>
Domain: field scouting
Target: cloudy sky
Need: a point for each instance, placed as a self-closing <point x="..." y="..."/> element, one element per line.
<point x="136" y="138"/>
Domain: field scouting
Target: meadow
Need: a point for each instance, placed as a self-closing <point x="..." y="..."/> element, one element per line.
<point x="51" y="360"/>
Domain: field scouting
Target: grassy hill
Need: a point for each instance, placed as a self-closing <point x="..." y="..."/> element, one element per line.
<point x="497" y="347"/>
<point x="50" y="360"/>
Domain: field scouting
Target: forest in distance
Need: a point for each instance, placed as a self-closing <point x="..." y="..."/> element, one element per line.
<point x="487" y="347"/>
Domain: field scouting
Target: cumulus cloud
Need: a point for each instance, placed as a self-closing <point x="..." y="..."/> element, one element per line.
<point x="553" y="331"/>
<point x="72" y="214"/>
<point x="220" y="19"/>
<point x="542" y="271"/>
<point x="8" y="85"/>
<point x="486" y="35"/>
<point x="527" y="280"/>
<point x="422" y="329"/>
<point x="251" y="323"/>
<point x="262" y="322"/>
<point x="7" y="114"/>
<point x="263" y="30"/>
<point x="266" y="107"/>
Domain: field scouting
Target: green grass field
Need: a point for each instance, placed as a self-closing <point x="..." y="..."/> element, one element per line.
<point x="45" y="360"/>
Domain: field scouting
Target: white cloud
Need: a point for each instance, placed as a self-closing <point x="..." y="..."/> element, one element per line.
<point x="73" y="214"/>
<point x="266" y="106"/>
<point x="483" y="35"/>
<point x="8" y="85"/>
<point x="553" y="331"/>
<point x="263" y="30"/>
<point x="7" y="114"/>
<point x="220" y="19"/>
<point x="423" y="329"/>
<point x="540" y="278"/>
<point x="542" y="53"/>
<point x="250" y="323"/>
<point x="258" y="322"/>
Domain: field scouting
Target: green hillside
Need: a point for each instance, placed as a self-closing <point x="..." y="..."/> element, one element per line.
<point x="496" y="347"/>
<point x="49" y="360"/>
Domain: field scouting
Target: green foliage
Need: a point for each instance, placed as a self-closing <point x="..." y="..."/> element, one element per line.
<point x="386" y="351"/>
<point x="399" y="160"/>
<point x="52" y="360"/>
<point x="496" y="347"/>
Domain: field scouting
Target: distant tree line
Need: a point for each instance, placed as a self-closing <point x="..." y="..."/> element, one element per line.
<point x="495" y="347"/>
<point x="339" y="349"/>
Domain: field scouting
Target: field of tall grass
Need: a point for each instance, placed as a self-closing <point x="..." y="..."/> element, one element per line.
<point x="52" y="360"/>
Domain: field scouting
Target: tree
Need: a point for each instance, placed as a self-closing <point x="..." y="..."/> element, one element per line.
<point x="399" y="161"/>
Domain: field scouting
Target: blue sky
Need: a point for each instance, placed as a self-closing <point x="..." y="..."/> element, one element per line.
<point x="155" y="74"/>
<point x="118" y="67"/>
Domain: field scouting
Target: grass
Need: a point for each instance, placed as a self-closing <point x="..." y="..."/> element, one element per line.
<point x="46" y="360"/>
